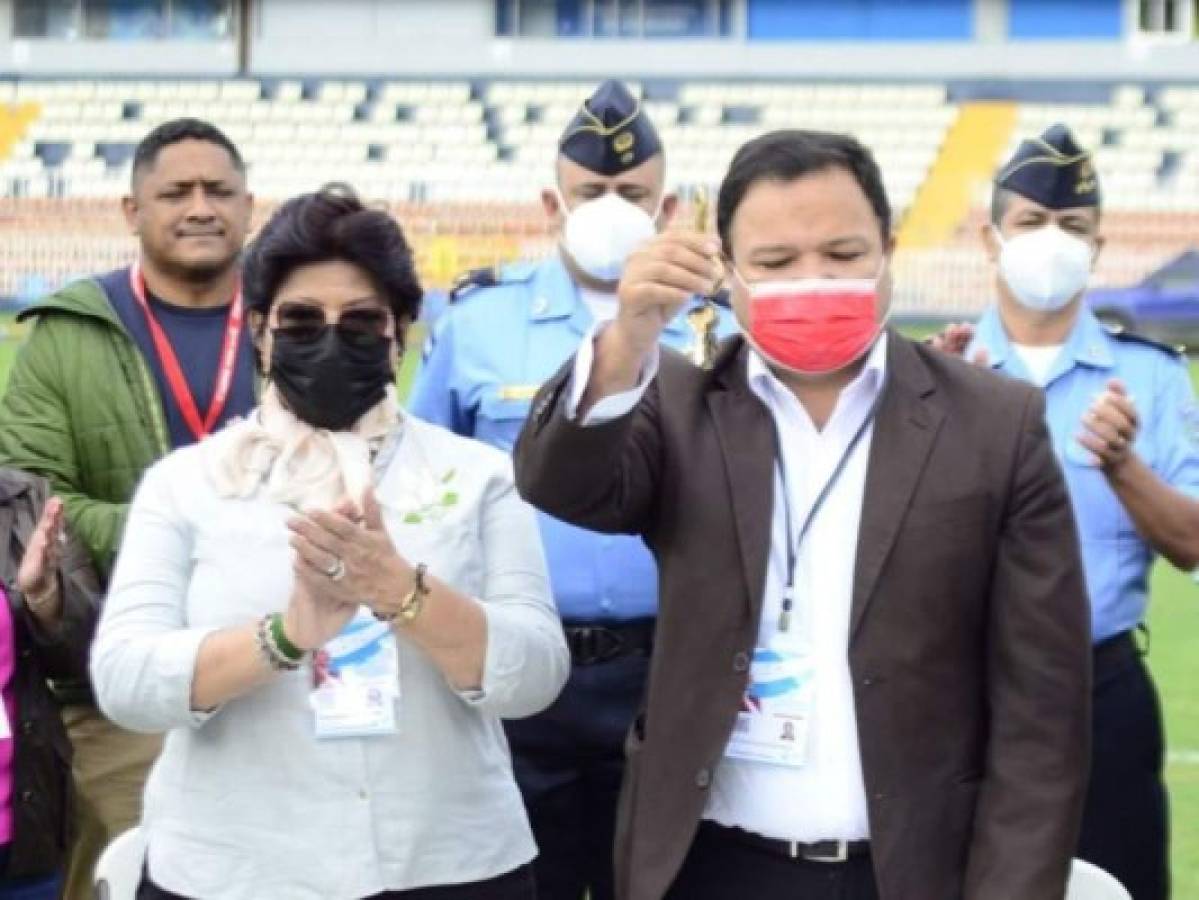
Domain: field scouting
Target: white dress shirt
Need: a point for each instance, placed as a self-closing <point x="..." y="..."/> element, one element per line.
<point x="245" y="803"/>
<point x="602" y="304"/>
<point x="826" y="798"/>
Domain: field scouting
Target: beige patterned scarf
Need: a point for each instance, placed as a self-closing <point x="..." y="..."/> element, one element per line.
<point x="291" y="462"/>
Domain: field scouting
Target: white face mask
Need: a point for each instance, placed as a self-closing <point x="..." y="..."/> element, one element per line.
<point x="601" y="233"/>
<point x="1045" y="269"/>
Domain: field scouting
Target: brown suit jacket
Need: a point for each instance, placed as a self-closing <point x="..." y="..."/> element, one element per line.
<point x="969" y="641"/>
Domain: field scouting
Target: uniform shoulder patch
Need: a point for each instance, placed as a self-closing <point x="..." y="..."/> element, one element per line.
<point x="1129" y="337"/>
<point x="473" y="280"/>
<point x="488" y="277"/>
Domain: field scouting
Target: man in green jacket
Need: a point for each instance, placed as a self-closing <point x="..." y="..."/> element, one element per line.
<point x="117" y="371"/>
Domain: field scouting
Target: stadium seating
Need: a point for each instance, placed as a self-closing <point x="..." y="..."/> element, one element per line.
<point x="461" y="164"/>
<point x="437" y="141"/>
<point x="1144" y="152"/>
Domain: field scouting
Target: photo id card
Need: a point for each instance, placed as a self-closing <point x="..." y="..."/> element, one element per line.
<point x="774" y="723"/>
<point x="356" y="681"/>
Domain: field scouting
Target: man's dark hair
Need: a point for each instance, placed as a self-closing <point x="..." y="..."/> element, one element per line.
<point x="332" y="224"/>
<point x="790" y="154"/>
<point x="176" y="131"/>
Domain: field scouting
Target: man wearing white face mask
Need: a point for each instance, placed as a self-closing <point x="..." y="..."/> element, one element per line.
<point x="1125" y="428"/>
<point x="505" y="333"/>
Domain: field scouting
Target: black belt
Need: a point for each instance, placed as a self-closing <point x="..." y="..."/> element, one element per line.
<point x="1115" y="652"/>
<point x="820" y="851"/>
<point x="603" y="642"/>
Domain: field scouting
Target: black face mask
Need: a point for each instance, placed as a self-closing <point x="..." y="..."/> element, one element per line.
<point x="332" y="379"/>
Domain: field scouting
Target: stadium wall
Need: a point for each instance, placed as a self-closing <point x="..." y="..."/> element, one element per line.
<point x="38" y="57"/>
<point x="456" y="38"/>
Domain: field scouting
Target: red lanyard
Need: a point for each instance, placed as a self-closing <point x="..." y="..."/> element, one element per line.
<point x="170" y="363"/>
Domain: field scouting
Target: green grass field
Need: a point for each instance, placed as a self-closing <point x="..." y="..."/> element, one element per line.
<point x="1174" y="624"/>
<point x="1174" y="621"/>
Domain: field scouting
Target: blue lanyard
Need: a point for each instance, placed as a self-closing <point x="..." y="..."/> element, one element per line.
<point x="794" y="540"/>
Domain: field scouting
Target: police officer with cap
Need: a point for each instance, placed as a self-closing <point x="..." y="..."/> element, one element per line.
<point x="1125" y="429"/>
<point x="505" y="333"/>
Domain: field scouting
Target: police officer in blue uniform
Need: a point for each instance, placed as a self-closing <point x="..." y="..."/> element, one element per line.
<point x="505" y="333"/>
<point x="1125" y="429"/>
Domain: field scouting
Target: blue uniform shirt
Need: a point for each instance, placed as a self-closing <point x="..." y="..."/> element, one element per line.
<point x="197" y="337"/>
<point x="488" y="354"/>
<point x="1115" y="557"/>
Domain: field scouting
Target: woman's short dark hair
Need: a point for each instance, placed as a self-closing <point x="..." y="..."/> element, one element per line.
<point x="789" y="154"/>
<point x="332" y="224"/>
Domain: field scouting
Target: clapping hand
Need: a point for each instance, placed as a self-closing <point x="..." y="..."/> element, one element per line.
<point x="955" y="338"/>
<point x="345" y="558"/>
<point x="1110" y="426"/>
<point x="37" y="578"/>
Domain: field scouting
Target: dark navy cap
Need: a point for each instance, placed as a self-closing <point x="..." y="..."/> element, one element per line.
<point x="610" y="133"/>
<point x="1052" y="170"/>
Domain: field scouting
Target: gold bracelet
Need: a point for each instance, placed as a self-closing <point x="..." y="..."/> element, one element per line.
<point x="412" y="603"/>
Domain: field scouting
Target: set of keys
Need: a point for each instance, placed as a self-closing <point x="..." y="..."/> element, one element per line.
<point x="704" y="318"/>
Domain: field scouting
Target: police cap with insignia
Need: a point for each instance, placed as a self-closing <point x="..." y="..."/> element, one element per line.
<point x="1052" y="170"/>
<point x="610" y="133"/>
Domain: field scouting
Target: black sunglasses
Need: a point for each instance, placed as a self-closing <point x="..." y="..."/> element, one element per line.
<point x="306" y="323"/>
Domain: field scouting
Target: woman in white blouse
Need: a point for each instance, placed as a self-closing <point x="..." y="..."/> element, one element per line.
<point x="329" y="607"/>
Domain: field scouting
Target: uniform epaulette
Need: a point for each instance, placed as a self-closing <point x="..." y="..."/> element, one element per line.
<point x="469" y="281"/>
<point x="488" y="277"/>
<point x="1130" y="337"/>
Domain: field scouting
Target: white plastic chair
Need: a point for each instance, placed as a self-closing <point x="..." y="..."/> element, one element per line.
<point x="1089" y="882"/>
<point x="119" y="870"/>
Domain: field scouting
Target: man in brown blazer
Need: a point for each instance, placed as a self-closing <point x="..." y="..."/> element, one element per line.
<point x="871" y="677"/>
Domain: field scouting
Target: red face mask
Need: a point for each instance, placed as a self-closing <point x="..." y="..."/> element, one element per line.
<point x="814" y="326"/>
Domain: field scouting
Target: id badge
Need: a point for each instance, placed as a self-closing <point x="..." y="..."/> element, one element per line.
<point x="774" y="724"/>
<point x="356" y="681"/>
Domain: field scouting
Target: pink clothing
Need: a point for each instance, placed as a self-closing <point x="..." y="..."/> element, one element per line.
<point x="8" y="665"/>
